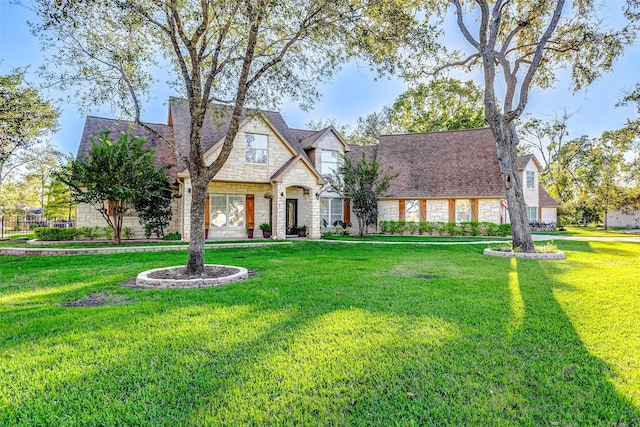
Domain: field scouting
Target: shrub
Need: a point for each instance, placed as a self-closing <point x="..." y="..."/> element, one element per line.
<point x="451" y="228"/>
<point x="108" y="233"/>
<point x="504" y="229"/>
<point x="411" y="227"/>
<point x="127" y="233"/>
<point x="474" y="228"/>
<point x="89" y="232"/>
<point x="55" y="234"/>
<point x="172" y="236"/>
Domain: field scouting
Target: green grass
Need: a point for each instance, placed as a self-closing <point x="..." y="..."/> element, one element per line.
<point x="590" y="231"/>
<point x="327" y="334"/>
<point x="404" y="238"/>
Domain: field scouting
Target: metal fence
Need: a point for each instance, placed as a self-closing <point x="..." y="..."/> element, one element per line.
<point x="17" y="226"/>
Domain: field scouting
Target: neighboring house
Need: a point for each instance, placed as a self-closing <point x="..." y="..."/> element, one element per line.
<point x="274" y="174"/>
<point x="452" y="176"/>
<point x="626" y="218"/>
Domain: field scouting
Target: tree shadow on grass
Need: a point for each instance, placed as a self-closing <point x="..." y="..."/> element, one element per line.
<point x="473" y="344"/>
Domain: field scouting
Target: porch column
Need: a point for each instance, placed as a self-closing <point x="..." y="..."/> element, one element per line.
<point x="314" y="217"/>
<point x="279" y="211"/>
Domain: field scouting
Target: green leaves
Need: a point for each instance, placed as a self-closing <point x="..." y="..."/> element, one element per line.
<point x="116" y="175"/>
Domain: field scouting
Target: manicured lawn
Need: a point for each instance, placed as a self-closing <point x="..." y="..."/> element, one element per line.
<point x="327" y="334"/>
<point x="412" y="238"/>
<point x="573" y="230"/>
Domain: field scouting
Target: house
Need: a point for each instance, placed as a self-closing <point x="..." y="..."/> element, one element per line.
<point x="628" y="217"/>
<point x="276" y="174"/>
<point x="452" y="176"/>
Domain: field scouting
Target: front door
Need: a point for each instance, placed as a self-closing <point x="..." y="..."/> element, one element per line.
<point x="292" y="216"/>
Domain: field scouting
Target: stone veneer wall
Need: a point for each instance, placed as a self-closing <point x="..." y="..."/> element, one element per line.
<point x="437" y="210"/>
<point x="88" y="216"/>
<point x="489" y="210"/>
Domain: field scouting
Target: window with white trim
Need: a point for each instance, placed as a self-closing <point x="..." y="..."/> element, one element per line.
<point x="412" y="211"/>
<point x="531" y="180"/>
<point x="330" y="160"/>
<point x="330" y="211"/>
<point x="226" y="211"/>
<point x="256" y="148"/>
<point x="532" y="214"/>
<point x="463" y="210"/>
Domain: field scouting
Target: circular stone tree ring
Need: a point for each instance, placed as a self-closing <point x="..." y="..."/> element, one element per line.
<point x="176" y="277"/>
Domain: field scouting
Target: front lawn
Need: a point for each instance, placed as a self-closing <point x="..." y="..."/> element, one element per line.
<point x="326" y="334"/>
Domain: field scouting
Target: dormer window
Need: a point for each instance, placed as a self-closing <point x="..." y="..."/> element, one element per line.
<point x="256" y="148"/>
<point x="531" y="180"/>
<point x="329" y="162"/>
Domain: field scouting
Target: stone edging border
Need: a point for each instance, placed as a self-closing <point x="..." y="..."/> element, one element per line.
<point x="549" y="256"/>
<point x="144" y="281"/>
<point x="126" y="249"/>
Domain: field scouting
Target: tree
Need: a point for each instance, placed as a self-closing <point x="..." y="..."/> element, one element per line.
<point x="442" y="104"/>
<point x="362" y="182"/>
<point x="602" y="172"/>
<point x="114" y="177"/>
<point x="40" y="165"/>
<point x="230" y="52"/>
<point x="526" y="42"/>
<point x="24" y="117"/>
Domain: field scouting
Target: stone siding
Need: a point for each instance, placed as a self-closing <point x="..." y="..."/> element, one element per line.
<point x="237" y="170"/>
<point x="88" y="216"/>
<point x="489" y="210"/>
<point x="437" y="210"/>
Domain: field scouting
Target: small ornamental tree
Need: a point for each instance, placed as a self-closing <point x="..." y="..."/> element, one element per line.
<point x="116" y="176"/>
<point x="362" y="182"/>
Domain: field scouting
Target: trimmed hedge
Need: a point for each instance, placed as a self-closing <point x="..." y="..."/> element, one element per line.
<point x="445" y="228"/>
<point x="55" y="234"/>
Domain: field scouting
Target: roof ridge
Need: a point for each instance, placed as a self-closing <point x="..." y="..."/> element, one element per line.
<point x="436" y="131"/>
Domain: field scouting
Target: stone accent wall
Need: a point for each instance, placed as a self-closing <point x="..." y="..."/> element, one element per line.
<point x="237" y="170"/>
<point x="550" y="215"/>
<point x="388" y="210"/>
<point x="489" y="210"/>
<point x="88" y="216"/>
<point x="437" y="210"/>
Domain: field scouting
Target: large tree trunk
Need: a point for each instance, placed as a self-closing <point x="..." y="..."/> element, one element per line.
<point x="507" y="146"/>
<point x="195" y="262"/>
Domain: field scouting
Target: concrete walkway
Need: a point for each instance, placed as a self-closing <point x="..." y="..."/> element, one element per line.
<point x="48" y="251"/>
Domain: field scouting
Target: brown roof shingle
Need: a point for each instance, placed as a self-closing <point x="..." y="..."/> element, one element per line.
<point x="164" y="155"/>
<point x="451" y="164"/>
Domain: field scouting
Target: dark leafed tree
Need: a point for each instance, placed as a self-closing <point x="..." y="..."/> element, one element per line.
<point x="524" y="43"/>
<point x="116" y="176"/>
<point x="362" y="182"/>
<point x="237" y="52"/>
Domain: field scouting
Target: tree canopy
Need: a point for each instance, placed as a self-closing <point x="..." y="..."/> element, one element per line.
<point x="115" y="176"/>
<point x="236" y="52"/>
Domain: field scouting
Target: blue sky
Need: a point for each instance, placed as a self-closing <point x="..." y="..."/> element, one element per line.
<point x="352" y="93"/>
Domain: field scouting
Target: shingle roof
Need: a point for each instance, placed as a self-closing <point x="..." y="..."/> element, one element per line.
<point x="523" y="161"/>
<point x="451" y="164"/>
<point x="357" y="151"/>
<point x="164" y="155"/>
<point x="545" y="199"/>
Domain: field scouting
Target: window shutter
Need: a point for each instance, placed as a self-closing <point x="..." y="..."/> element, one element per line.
<point x="207" y="209"/>
<point x="423" y="210"/>
<point x="474" y="210"/>
<point x="346" y="213"/>
<point x="401" y="210"/>
<point x="250" y="210"/>
<point x="452" y="210"/>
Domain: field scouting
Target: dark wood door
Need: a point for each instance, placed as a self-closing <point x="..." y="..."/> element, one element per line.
<point x="292" y="216"/>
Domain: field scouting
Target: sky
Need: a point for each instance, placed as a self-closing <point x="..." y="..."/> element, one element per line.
<point x="353" y="92"/>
